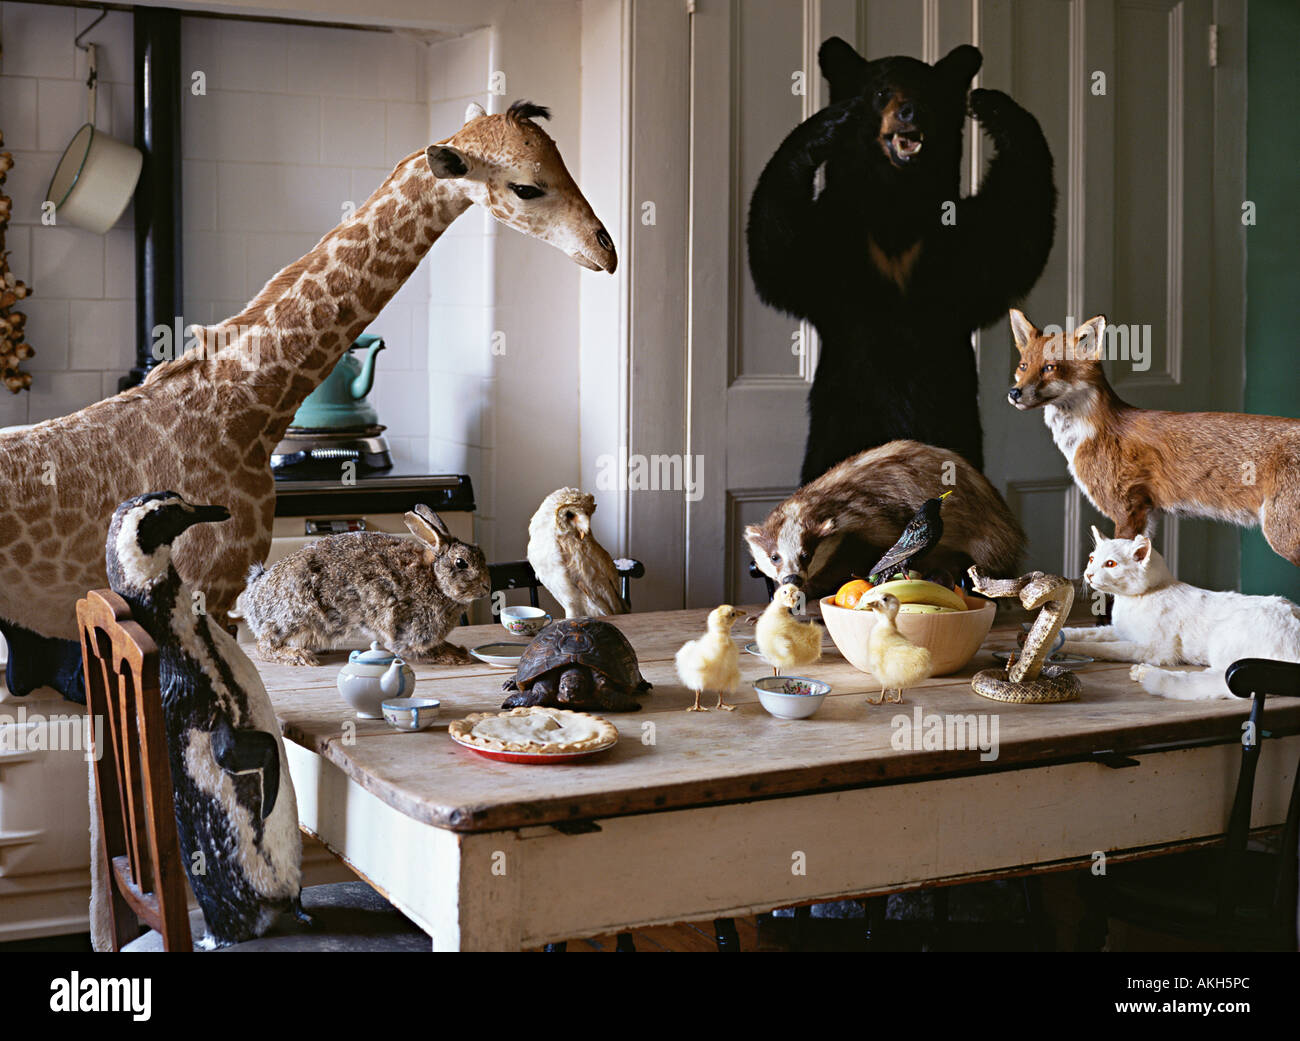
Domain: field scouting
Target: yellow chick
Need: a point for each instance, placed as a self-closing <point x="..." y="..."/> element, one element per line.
<point x="712" y="662"/>
<point x="894" y="659"/>
<point x="784" y="641"/>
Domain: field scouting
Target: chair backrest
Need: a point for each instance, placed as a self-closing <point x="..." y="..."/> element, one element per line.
<point x="519" y="574"/>
<point x="1256" y="678"/>
<point x="140" y="857"/>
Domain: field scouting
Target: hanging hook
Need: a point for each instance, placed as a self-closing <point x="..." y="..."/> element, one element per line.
<point x="77" y="39"/>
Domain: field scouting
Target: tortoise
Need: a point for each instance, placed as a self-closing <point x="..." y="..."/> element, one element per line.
<point x="578" y="663"/>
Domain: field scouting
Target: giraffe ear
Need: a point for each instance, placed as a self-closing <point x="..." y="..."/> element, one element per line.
<point x="473" y="110"/>
<point x="446" y="161"/>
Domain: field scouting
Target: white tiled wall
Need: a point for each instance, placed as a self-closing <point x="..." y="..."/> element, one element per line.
<point x="81" y="316"/>
<point x="296" y="123"/>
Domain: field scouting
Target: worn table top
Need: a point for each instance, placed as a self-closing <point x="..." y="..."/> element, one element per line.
<point x="669" y="758"/>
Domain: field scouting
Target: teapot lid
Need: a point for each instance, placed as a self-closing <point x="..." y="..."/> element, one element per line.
<point x="375" y="656"/>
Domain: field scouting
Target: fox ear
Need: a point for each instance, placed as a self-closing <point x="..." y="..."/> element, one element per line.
<point x="752" y="533"/>
<point x="1142" y="549"/>
<point x="1088" y="339"/>
<point x="1022" y="329"/>
<point x="1097" y="537"/>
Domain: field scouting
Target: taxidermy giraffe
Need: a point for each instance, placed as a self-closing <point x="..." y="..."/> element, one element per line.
<point x="205" y="424"/>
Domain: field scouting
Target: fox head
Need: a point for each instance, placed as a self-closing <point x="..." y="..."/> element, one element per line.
<point x="1058" y="366"/>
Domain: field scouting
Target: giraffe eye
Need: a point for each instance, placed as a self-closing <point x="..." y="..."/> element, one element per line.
<point x="526" y="191"/>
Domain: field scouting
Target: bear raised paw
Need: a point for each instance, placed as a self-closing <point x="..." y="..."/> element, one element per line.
<point x="857" y="225"/>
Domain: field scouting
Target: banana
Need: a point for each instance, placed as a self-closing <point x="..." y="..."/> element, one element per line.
<point x="925" y="609"/>
<point x="916" y="591"/>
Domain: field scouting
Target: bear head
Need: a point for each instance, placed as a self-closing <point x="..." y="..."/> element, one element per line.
<point x="916" y="110"/>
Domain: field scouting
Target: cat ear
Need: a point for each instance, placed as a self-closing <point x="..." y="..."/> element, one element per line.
<point x="1097" y="538"/>
<point x="1142" y="549"/>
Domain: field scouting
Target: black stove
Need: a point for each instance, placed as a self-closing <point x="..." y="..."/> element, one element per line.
<point x="301" y="493"/>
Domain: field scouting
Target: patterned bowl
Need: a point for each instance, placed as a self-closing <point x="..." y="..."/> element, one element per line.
<point x="791" y="697"/>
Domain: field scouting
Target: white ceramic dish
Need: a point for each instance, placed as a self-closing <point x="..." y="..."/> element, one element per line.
<point x="502" y="655"/>
<point x="1065" y="661"/>
<point x="411" y="714"/>
<point x="791" y="697"/>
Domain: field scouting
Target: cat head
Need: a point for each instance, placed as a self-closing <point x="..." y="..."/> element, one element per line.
<point x="1124" y="567"/>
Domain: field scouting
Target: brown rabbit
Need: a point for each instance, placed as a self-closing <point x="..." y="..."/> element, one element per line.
<point x="361" y="586"/>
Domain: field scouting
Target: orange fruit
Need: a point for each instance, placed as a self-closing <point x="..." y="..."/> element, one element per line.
<point x="851" y="592"/>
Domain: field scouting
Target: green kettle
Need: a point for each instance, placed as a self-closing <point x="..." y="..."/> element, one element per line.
<point x="339" y="403"/>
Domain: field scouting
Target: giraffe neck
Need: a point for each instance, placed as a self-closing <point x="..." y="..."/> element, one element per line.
<point x="289" y="337"/>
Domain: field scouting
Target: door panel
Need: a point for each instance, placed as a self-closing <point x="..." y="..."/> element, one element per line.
<point x="1142" y="189"/>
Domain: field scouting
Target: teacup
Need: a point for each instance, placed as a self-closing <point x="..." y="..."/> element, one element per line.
<point x="524" y="621"/>
<point x="411" y="713"/>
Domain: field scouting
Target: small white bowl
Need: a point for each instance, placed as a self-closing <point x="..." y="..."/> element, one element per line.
<point x="791" y="697"/>
<point x="411" y="713"/>
<point x="524" y="621"/>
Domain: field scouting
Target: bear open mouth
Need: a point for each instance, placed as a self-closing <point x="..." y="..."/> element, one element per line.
<point x="906" y="145"/>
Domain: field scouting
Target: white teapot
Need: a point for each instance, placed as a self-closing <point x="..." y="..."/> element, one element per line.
<point x="372" y="677"/>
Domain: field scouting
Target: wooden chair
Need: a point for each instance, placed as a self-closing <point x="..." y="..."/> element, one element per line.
<point x="1228" y="895"/>
<point x="519" y="574"/>
<point x="140" y="858"/>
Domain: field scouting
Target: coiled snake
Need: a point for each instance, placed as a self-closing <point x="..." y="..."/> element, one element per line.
<point x="1026" y="680"/>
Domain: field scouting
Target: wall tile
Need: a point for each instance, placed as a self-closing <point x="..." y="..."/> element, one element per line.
<point x="116" y="46"/>
<point x="119" y="264"/>
<point x="61" y="110"/>
<point x="248" y="127"/>
<point x="28" y="181"/>
<point x="18" y="113"/>
<point x="406" y="129"/>
<point x="59" y="393"/>
<point x="199" y="195"/>
<point x="67" y="262"/>
<point x="47" y="331"/>
<point x="251" y="55"/>
<point x="267" y="254"/>
<point x="13" y="408"/>
<point x="349" y="130"/>
<point x="465" y="65"/>
<point x="259" y="197"/>
<point x="321" y="61"/>
<point x="216" y="264"/>
<point x="38" y="40"/>
<point x="101" y="334"/>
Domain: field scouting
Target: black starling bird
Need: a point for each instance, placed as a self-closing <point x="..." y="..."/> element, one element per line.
<point x="921" y="535"/>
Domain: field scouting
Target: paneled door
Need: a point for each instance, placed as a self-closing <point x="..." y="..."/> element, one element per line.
<point x="1150" y="173"/>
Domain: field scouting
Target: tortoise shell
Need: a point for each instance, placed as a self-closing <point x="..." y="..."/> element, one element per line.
<point x="581" y="641"/>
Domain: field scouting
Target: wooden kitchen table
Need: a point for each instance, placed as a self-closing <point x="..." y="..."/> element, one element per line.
<point x="702" y="815"/>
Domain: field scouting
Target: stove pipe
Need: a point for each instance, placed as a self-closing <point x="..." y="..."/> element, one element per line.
<point x="158" y="285"/>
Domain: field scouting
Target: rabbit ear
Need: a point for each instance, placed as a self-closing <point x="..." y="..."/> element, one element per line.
<point x="426" y="525"/>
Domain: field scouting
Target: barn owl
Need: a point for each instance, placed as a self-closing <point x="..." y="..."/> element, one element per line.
<point x="571" y="564"/>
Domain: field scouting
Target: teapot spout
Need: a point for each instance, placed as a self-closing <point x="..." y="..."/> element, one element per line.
<point x="393" y="681"/>
<point x="365" y="379"/>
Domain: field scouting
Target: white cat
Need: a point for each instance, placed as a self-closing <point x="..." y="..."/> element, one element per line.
<point x="1161" y="621"/>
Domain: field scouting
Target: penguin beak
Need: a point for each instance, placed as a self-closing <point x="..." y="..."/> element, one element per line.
<point x="208" y="514"/>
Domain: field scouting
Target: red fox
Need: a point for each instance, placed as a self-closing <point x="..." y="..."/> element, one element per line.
<point x="1130" y="461"/>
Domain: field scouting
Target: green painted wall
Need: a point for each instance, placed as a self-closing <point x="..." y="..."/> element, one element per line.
<point x="1272" y="248"/>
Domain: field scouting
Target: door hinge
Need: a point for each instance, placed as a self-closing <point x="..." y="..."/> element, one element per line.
<point x="1214" y="46"/>
<point x="690" y="6"/>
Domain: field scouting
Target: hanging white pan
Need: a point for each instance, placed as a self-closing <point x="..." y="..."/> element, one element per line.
<point x="97" y="175"/>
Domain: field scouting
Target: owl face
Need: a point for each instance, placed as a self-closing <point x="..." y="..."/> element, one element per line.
<point x="573" y="520"/>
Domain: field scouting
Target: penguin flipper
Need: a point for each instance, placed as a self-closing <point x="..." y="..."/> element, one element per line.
<point x="246" y="751"/>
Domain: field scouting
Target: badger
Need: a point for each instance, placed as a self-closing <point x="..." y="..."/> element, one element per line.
<point x="840" y="524"/>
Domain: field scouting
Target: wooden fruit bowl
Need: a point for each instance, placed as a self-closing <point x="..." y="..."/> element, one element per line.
<point x="952" y="639"/>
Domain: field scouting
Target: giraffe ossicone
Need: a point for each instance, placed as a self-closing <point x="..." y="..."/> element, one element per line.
<point x="205" y="424"/>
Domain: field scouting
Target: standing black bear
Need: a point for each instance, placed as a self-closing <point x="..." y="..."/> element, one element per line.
<point x="856" y="224"/>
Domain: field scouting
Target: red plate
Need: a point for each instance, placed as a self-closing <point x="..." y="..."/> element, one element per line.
<point x="534" y="758"/>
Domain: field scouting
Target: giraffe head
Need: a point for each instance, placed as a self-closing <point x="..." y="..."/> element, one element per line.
<point x="510" y="166"/>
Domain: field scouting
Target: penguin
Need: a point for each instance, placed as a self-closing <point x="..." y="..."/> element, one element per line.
<point x="236" y="812"/>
